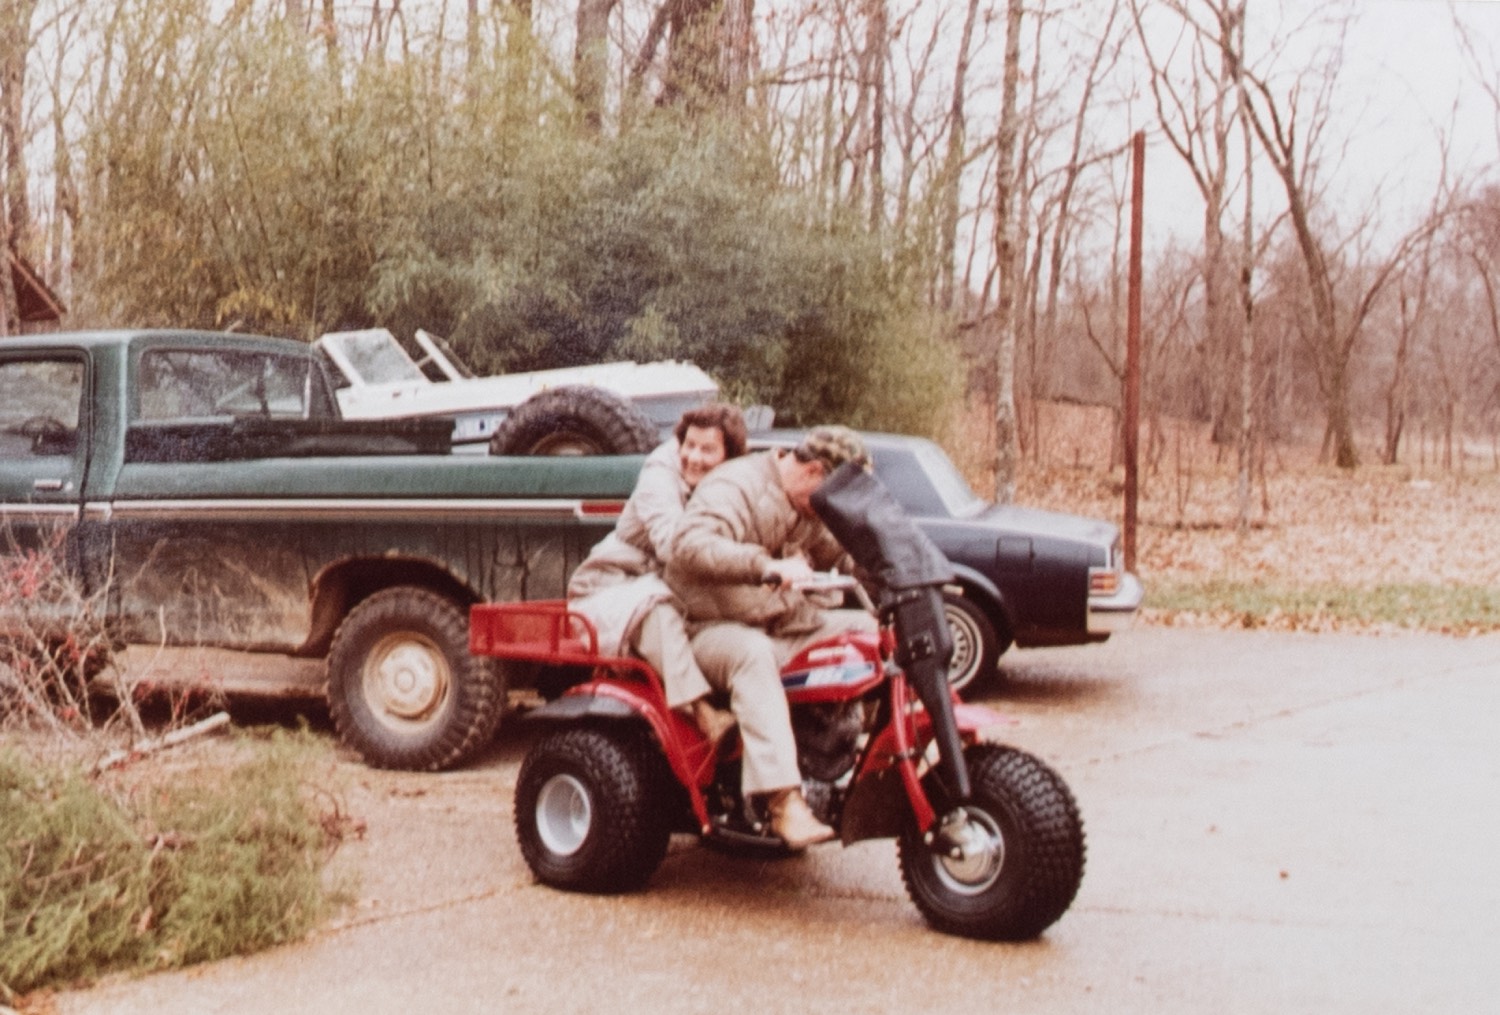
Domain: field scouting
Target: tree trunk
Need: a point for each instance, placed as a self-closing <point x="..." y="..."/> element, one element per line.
<point x="953" y="163"/>
<point x="1006" y="257"/>
<point x="1245" y="319"/>
<point x="591" y="59"/>
<point x="874" y="71"/>
<point x="693" y="79"/>
<point x="15" y="212"/>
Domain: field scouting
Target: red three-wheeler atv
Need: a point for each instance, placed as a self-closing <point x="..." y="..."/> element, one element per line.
<point x="989" y="838"/>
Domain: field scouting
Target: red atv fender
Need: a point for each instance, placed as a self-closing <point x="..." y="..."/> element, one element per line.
<point x="887" y="776"/>
<point x="546" y="631"/>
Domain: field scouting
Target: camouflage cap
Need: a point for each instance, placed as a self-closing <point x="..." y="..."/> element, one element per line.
<point x="833" y="446"/>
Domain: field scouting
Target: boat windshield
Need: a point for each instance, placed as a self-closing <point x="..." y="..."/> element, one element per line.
<point x="371" y="357"/>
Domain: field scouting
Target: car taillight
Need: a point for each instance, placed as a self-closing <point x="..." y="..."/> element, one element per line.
<point x="1103" y="582"/>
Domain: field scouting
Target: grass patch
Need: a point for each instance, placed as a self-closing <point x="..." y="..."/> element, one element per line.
<point x="157" y="866"/>
<point x="1450" y="609"/>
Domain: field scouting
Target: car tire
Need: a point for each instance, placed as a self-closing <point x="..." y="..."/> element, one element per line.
<point x="575" y="419"/>
<point x="590" y="814"/>
<point x="1030" y="862"/>
<point x="976" y="644"/>
<point x="403" y="689"/>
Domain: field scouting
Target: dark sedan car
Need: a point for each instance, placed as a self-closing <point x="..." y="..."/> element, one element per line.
<point x="1024" y="576"/>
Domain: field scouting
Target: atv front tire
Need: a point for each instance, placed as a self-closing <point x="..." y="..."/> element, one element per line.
<point x="590" y="814"/>
<point x="1029" y="858"/>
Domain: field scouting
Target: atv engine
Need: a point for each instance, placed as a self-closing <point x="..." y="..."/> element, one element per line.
<point x="827" y="736"/>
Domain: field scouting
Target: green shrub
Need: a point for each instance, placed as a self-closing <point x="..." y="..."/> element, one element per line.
<point x="71" y="877"/>
<point x="154" y="868"/>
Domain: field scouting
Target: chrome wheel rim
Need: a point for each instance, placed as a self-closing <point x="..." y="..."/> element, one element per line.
<point x="964" y="666"/>
<point x="981" y="859"/>
<point x="564" y="814"/>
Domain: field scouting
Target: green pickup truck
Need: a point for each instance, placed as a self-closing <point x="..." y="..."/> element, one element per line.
<point x="237" y="532"/>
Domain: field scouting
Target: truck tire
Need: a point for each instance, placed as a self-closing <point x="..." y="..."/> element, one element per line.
<point x="590" y="814"/>
<point x="575" y="419"/>
<point x="403" y="689"/>
<point x="1029" y="855"/>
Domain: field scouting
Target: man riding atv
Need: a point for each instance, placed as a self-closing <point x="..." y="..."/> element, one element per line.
<point x="747" y="537"/>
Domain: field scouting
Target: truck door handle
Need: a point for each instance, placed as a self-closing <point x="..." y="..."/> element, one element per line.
<point x="47" y="485"/>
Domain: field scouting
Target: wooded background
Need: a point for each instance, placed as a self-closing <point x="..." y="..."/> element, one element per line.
<point x="882" y="212"/>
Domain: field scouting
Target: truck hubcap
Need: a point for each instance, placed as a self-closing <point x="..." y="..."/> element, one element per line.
<point x="406" y="679"/>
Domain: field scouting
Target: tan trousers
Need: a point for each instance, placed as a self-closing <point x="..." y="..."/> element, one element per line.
<point x="662" y="640"/>
<point x="746" y="663"/>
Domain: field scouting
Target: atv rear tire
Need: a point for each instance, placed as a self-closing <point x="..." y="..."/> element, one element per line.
<point x="403" y="689"/>
<point x="575" y="419"/>
<point x="1031" y="863"/>
<point x="590" y="809"/>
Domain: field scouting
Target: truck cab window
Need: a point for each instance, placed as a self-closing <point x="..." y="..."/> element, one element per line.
<point x="185" y="385"/>
<point x="39" y="406"/>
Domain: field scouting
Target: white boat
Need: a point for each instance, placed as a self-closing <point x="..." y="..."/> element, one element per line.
<point x="382" y="381"/>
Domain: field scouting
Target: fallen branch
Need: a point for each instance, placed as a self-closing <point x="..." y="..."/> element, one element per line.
<point x="172" y="739"/>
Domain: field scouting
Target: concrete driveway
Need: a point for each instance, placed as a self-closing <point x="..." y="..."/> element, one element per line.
<point x="1277" y="823"/>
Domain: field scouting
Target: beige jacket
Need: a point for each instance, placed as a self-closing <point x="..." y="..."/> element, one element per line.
<point x="739" y="519"/>
<point x="620" y="578"/>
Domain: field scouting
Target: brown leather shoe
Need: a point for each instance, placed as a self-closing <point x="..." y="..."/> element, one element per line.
<point x="713" y="723"/>
<point x="794" y="822"/>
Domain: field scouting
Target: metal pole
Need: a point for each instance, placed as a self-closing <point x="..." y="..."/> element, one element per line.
<point x="1131" y="422"/>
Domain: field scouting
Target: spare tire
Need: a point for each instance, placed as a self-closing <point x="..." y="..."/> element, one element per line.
<point x="575" y="419"/>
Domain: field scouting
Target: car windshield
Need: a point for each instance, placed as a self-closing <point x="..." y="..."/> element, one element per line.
<point x="957" y="496"/>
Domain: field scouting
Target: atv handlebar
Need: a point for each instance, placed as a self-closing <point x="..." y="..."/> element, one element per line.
<point x="829" y="581"/>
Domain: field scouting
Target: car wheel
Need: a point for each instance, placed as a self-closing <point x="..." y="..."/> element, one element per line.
<point x="403" y="689"/>
<point x="590" y="814"/>
<point x="976" y="645"/>
<point x="1022" y="858"/>
<point x="575" y="419"/>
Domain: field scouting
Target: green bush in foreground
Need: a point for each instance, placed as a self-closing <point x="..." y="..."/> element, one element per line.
<point x="159" y="873"/>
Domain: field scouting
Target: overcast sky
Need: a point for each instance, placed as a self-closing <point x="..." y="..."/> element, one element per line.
<point x="1405" y="54"/>
<point x="1404" y="81"/>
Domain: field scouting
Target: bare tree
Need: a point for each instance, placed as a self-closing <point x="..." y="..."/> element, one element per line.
<point x="709" y="53"/>
<point x="15" y="215"/>
<point x="1342" y="281"/>
<point x="1198" y="116"/>
<point x="949" y="182"/>
<point x="1007" y="259"/>
<point x="591" y="58"/>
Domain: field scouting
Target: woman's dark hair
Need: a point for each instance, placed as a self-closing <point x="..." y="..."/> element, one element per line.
<point x="726" y="418"/>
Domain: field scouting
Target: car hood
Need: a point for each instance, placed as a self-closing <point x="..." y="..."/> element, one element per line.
<point x="1013" y="519"/>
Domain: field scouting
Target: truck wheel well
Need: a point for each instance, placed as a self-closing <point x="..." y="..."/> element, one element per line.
<point x="342" y="587"/>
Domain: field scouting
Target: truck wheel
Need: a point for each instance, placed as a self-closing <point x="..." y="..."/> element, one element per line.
<point x="403" y="689"/>
<point x="976" y="645"/>
<point x="1024" y="852"/>
<point x="590" y="809"/>
<point x="575" y="419"/>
